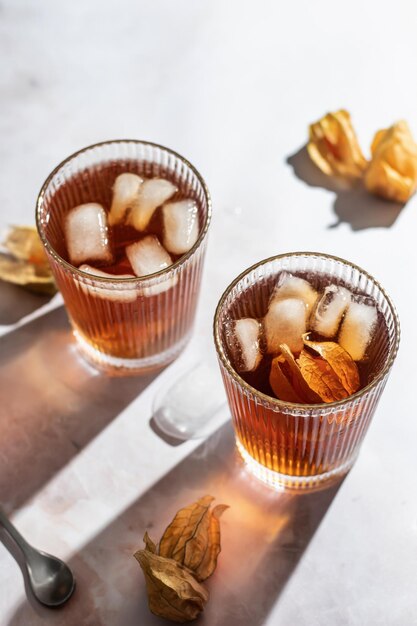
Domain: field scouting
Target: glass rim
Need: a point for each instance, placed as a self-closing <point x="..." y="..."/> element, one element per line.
<point x="136" y="279"/>
<point x="297" y="405"/>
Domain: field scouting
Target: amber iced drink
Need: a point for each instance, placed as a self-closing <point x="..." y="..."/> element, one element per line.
<point x="305" y="344"/>
<point x="124" y="224"/>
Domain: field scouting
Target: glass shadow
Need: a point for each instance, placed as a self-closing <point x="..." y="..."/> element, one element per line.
<point x="352" y="205"/>
<point x="51" y="404"/>
<point x="264" y="536"/>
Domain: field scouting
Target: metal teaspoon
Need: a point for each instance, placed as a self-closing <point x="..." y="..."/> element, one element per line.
<point x="50" y="579"/>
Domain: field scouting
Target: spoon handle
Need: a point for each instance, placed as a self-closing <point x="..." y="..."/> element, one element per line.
<point x="14" y="533"/>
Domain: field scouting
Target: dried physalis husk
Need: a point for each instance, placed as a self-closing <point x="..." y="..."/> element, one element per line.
<point x="334" y="147"/>
<point x="392" y="172"/>
<point x="301" y="386"/>
<point x="321" y="377"/>
<point x="327" y="376"/>
<point x="173" y="592"/>
<point x="187" y="555"/>
<point x="339" y="360"/>
<point x="24" y="262"/>
<point x="280" y="383"/>
<point x="193" y="537"/>
<point x="150" y="545"/>
<point x="333" y="375"/>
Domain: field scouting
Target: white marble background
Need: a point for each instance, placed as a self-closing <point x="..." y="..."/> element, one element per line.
<point x="232" y="86"/>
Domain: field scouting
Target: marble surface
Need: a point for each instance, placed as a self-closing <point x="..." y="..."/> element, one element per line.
<point x="83" y="473"/>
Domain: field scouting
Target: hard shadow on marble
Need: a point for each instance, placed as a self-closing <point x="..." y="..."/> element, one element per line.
<point x="52" y="404"/>
<point x="16" y="303"/>
<point x="172" y="441"/>
<point x="352" y="205"/>
<point x="264" y="536"/>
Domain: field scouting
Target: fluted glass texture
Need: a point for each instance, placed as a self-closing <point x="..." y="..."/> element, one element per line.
<point x="134" y="324"/>
<point x="295" y="445"/>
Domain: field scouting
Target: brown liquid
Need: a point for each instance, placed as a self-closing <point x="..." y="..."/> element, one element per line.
<point x="150" y="323"/>
<point x="291" y="444"/>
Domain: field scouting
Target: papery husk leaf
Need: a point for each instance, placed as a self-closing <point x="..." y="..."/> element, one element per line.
<point x="23" y="242"/>
<point x="173" y="592"/>
<point x="150" y="545"/>
<point x="26" y="275"/>
<point x="334" y="147"/>
<point x="392" y="172"/>
<point x="24" y="261"/>
<point x="208" y="562"/>
<point x="280" y="384"/>
<point x="321" y="378"/>
<point x="301" y="386"/>
<point x="339" y="360"/>
<point x="188" y="529"/>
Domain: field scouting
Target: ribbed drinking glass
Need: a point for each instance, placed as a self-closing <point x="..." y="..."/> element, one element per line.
<point x="291" y="445"/>
<point x="124" y="325"/>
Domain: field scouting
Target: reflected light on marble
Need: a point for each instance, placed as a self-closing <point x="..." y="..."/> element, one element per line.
<point x="56" y="366"/>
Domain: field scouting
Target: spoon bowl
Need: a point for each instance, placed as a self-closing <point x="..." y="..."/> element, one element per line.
<point x="50" y="579"/>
